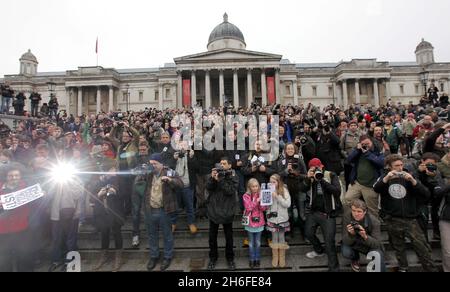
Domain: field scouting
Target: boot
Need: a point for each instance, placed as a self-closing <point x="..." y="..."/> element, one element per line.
<point x="282" y="258"/>
<point x="101" y="261"/>
<point x="275" y="257"/>
<point x="118" y="262"/>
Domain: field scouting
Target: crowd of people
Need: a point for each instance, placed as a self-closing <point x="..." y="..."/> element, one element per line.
<point x="369" y="166"/>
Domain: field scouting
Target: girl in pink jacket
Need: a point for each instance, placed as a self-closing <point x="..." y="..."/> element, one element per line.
<point x="255" y="223"/>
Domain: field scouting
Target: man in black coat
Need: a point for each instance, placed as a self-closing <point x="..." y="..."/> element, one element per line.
<point x="221" y="205"/>
<point x="19" y="104"/>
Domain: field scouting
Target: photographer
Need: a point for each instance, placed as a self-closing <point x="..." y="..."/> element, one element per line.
<point x="126" y="158"/>
<point x="324" y="190"/>
<point x="222" y="186"/>
<point x="53" y="106"/>
<point x="160" y="202"/>
<point x="327" y="148"/>
<point x="293" y="170"/>
<point x="257" y="167"/>
<point x="35" y="100"/>
<point x="305" y="143"/>
<point x="379" y="143"/>
<point x="165" y="148"/>
<point x="429" y="175"/>
<point x="438" y="141"/>
<point x="7" y="95"/>
<point x="367" y="166"/>
<point x="108" y="213"/>
<point x="184" y="158"/>
<point x="19" y="104"/>
<point x="401" y="197"/>
<point x="138" y="193"/>
<point x="361" y="234"/>
<point x="349" y="140"/>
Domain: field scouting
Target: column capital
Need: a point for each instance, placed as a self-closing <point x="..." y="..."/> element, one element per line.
<point x="207" y="70"/>
<point x="179" y="72"/>
<point x="235" y="70"/>
<point x="193" y="71"/>
<point x="277" y="70"/>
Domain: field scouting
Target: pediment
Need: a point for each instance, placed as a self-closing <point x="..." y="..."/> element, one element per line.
<point x="227" y="55"/>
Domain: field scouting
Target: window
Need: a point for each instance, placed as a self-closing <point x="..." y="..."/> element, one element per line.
<point x="124" y="97"/>
<point x="330" y="90"/>
<point x="288" y="90"/>
<point x="314" y="90"/>
<point x="402" y="89"/>
<point x="141" y="96"/>
<point x="156" y="95"/>
<point x="299" y="91"/>
<point x="442" y="87"/>
<point x="416" y="88"/>
<point x="167" y="93"/>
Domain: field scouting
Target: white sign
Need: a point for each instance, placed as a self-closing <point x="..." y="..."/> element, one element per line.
<point x="266" y="197"/>
<point x="15" y="200"/>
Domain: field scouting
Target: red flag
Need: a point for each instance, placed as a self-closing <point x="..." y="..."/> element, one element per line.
<point x="96" y="46"/>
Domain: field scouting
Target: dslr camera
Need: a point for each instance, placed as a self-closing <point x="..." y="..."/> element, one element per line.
<point x="431" y="167"/>
<point x="318" y="174"/>
<point x="355" y="226"/>
<point x="221" y="171"/>
<point x="181" y="153"/>
<point x="272" y="215"/>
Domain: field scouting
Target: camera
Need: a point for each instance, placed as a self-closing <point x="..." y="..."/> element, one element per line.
<point x="221" y="171"/>
<point x="365" y="147"/>
<point x="143" y="169"/>
<point x="108" y="192"/>
<point x="355" y="226"/>
<point x="431" y="167"/>
<point x="318" y="174"/>
<point x="303" y="140"/>
<point x="256" y="219"/>
<point x="272" y="215"/>
<point x="293" y="162"/>
<point x="401" y="174"/>
<point x="181" y="154"/>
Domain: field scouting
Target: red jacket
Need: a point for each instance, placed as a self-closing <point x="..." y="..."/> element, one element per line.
<point x="14" y="221"/>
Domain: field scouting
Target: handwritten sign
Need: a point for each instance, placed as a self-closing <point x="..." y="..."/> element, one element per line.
<point x="15" y="200"/>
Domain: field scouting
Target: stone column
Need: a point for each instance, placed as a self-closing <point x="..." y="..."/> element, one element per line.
<point x="375" y="93"/>
<point x="99" y="100"/>
<point x="193" y="89"/>
<point x="235" y="88"/>
<point x="263" y="87"/>
<point x="80" y="101"/>
<point x="345" y="94"/>
<point x="357" y="92"/>
<point x="221" y="87"/>
<point x="277" y="86"/>
<point x="180" y="90"/>
<point x="388" y="89"/>
<point x="249" y="88"/>
<point x="335" y="95"/>
<point x="111" y="99"/>
<point x="68" y="101"/>
<point x="294" y="84"/>
<point x="207" y="89"/>
<point x="160" y="97"/>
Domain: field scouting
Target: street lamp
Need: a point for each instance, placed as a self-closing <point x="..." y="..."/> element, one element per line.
<point x="51" y="87"/>
<point x="424" y="78"/>
<point x="127" y="86"/>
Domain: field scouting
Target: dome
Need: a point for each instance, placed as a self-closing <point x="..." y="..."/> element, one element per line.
<point x="226" y="30"/>
<point x="424" y="45"/>
<point x="28" y="56"/>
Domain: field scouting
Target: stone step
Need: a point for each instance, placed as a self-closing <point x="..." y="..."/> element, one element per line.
<point x="134" y="261"/>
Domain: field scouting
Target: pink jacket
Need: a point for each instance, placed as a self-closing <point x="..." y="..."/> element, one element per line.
<point x="254" y="209"/>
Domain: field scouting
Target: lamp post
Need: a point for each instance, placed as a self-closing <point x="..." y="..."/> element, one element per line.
<point x="51" y="87"/>
<point x="424" y="78"/>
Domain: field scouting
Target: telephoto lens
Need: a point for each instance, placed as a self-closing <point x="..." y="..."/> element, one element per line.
<point x="318" y="175"/>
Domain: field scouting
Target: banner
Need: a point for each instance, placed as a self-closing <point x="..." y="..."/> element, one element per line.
<point x="186" y="93"/>
<point x="15" y="200"/>
<point x="271" y="99"/>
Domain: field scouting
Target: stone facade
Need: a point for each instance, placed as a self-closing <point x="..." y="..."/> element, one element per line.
<point x="228" y="72"/>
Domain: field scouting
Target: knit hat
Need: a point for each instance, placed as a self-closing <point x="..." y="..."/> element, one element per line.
<point x="157" y="157"/>
<point x="315" y="163"/>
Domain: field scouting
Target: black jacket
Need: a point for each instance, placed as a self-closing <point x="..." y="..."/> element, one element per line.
<point x="443" y="193"/>
<point x="262" y="177"/>
<point x="329" y="152"/>
<point x="331" y="204"/>
<point x="292" y="179"/>
<point x="371" y="225"/>
<point x="221" y="202"/>
<point x="406" y="207"/>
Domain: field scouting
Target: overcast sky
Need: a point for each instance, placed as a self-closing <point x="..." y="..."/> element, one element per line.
<point x="143" y="34"/>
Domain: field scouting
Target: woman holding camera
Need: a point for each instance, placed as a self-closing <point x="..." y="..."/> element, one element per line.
<point x="108" y="213"/>
<point x="254" y="212"/>
<point x="293" y="170"/>
<point x="278" y="220"/>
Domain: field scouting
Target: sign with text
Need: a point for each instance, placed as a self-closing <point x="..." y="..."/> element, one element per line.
<point x="14" y="200"/>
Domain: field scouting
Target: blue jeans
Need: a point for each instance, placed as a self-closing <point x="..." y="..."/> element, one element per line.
<point x="64" y="238"/>
<point x="352" y="254"/>
<point x="254" y="245"/>
<point x="6" y="103"/>
<point x="186" y="198"/>
<point x="155" y="220"/>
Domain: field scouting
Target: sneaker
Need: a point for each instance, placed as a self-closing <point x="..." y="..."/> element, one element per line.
<point x="246" y="242"/>
<point x="313" y="254"/>
<point x="355" y="266"/>
<point x="211" y="265"/>
<point x="193" y="229"/>
<point x="136" y="241"/>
